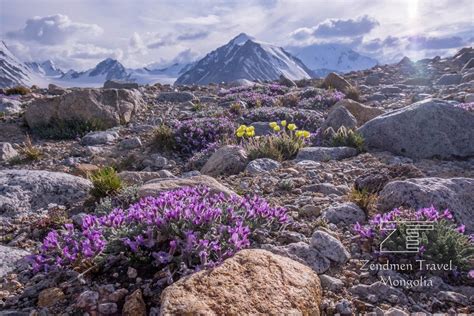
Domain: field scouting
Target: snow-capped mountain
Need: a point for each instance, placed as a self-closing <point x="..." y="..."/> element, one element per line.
<point x="108" y="69"/>
<point x="46" y="68"/>
<point x="325" y="58"/>
<point x="12" y="71"/>
<point x="244" y="58"/>
<point x="152" y="74"/>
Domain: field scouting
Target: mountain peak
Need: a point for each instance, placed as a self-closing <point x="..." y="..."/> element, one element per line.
<point x="241" y="39"/>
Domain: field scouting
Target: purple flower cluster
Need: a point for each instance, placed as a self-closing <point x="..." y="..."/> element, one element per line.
<point x="323" y="100"/>
<point x="188" y="227"/>
<point x="258" y="95"/>
<point x="372" y="230"/>
<point x="466" y="106"/>
<point x="196" y="134"/>
<point x="305" y="119"/>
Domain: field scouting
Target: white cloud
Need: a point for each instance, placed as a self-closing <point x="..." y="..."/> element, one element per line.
<point x="53" y="30"/>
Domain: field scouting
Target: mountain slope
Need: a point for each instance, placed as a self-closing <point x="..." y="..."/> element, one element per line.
<point x="325" y="58"/>
<point x="244" y="58"/>
<point x="12" y="71"/>
<point x="46" y="68"/>
<point x="108" y="69"/>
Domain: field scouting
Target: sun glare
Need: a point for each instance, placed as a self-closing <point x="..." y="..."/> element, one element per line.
<point x="412" y="8"/>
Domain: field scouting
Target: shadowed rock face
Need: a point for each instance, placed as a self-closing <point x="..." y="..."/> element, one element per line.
<point x="109" y="106"/>
<point x="252" y="282"/>
<point x="426" y="129"/>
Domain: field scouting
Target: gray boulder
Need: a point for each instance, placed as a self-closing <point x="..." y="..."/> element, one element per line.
<point x="262" y="165"/>
<point x="227" y="160"/>
<point x="7" y="152"/>
<point x="29" y="190"/>
<point x="175" y="97"/>
<point x="361" y="112"/>
<point x="11" y="258"/>
<point x="390" y="90"/>
<point x="455" y="194"/>
<point x="325" y="153"/>
<point x="109" y="107"/>
<point x="449" y="79"/>
<point x="468" y="65"/>
<point x="426" y="129"/>
<point x="345" y="213"/>
<point x="113" y="84"/>
<point x="131" y="143"/>
<point x="99" y="138"/>
<point x="262" y="128"/>
<point x="10" y="106"/>
<point x="55" y="89"/>
<point x="339" y="116"/>
<point x="329" y="247"/>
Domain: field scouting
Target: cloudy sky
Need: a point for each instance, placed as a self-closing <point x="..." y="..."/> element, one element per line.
<point x="79" y="33"/>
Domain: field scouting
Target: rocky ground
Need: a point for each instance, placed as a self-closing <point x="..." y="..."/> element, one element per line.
<point x="419" y="155"/>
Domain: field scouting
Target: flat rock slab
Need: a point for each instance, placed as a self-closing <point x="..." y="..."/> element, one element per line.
<point x="326" y="153"/>
<point x="29" y="190"/>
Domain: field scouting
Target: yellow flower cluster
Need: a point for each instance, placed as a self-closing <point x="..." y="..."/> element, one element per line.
<point x="290" y="127"/>
<point x="247" y="131"/>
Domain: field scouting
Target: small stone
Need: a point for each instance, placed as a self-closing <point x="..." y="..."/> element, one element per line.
<point x="325" y="153"/>
<point x="346" y="213"/>
<point x="7" y="151"/>
<point x="87" y="299"/>
<point x="395" y="312"/>
<point x="344" y="307"/>
<point x="262" y="165"/>
<point x="134" y="305"/>
<point x="131" y="143"/>
<point x="131" y="273"/>
<point x="108" y="308"/>
<point x="49" y="297"/>
<point x="329" y="247"/>
<point x="330" y="283"/>
<point x="99" y="138"/>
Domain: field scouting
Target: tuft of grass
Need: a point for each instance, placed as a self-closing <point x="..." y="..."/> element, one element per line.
<point x="163" y="138"/>
<point x="105" y="182"/>
<point x="237" y="109"/>
<point x="364" y="199"/>
<point x="346" y="137"/>
<point x="30" y="151"/>
<point x="197" y="107"/>
<point x="263" y="147"/>
<point x="69" y="129"/>
<point x="18" y="90"/>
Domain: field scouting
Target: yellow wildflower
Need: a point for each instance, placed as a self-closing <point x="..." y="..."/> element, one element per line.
<point x="273" y="124"/>
<point x="276" y="128"/>
<point x="299" y="133"/>
<point x="283" y="123"/>
<point x="306" y="134"/>
<point x="240" y="134"/>
<point x="250" y="133"/>
<point x="241" y="128"/>
<point x="291" y="127"/>
<point x="250" y="129"/>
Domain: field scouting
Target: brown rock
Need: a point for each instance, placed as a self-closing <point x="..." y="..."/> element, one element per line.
<point x="335" y="81"/>
<point x="49" y="297"/>
<point x="134" y="305"/>
<point x="107" y="107"/>
<point x="85" y="169"/>
<point x="361" y="112"/>
<point x="252" y="282"/>
<point x="156" y="186"/>
<point x="227" y="160"/>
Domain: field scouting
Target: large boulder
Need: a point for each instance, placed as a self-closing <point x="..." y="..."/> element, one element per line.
<point x="227" y="160"/>
<point x="426" y="129"/>
<point x="156" y="186"/>
<point x="361" y="112"/>
<point x="329" y="247"/>
<point x="250" y="283"/>
<point x="107" y="107"/>
<point x="29" y="190"/>
<point x="114" y="84"/>
<point x="346" y="213"/>
<point x="449" y="79"/>
<point x="455" y="194"/>
<point x="335" y="81"/>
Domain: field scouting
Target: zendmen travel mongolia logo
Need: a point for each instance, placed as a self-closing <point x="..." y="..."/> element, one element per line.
<point x="408" y="247"/>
